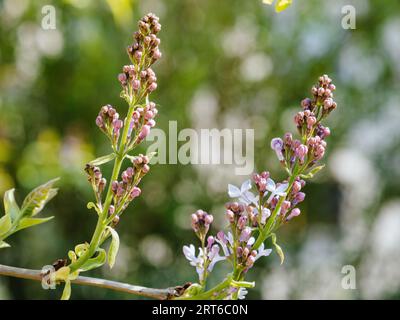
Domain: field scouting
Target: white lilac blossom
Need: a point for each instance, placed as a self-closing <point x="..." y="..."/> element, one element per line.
<point x="243" y="194"/>
<point x="197" y="262"/>
<point x="279" y="190"/>
<point x="263" y="252"/>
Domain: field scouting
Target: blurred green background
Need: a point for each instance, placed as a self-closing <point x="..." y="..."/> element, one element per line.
<point x="226" y="64"/>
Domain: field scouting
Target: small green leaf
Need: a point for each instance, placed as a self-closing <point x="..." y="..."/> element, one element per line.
<point x="67" y="290"/>
<point x="103" y="159"/>
<point x="312" y="172"/>
<point x="114" y="247"/>
<point x="72" y="255"/>
<point x="10" y="205"/>
<point x="278" y="249"/>
<point x="5" y="224"/>
<point x="95" y="262"/>
<point x="80" y="249"/>
<point x="37" y="198"/>
<point x="30" y="222"/>
<point x="4" y="245"/>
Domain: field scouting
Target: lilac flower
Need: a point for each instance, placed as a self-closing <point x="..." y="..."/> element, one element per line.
<point x="277" y="146"/>
<point x="243" y="193"/>
<point x="214" y="257"/>
<point x="224" y="241"/>
<point x="264" y="215"/>
<point x="275" y="191"/>
<point x="197" y="262"/>
<point x="263" y="252"/>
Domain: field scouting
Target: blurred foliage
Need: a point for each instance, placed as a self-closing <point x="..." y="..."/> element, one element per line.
<point x="227" y="63"/>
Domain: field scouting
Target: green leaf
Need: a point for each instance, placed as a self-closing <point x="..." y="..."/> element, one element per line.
<point x="103" y="159"/>
<point x="278" y="249"/>
<point x="80" y="249"/>
<point x="72" y="255"/>
<point x="114" y="247"/>
<point x="10" y="205"/>
<point x="312" y="172"/>
<point x="4" y="245"/>
<point x="67" y="290"/>
<point x="37" y="198"/>
<point x="95" y="262"/>
<point x="5" y="224"/>
<point x="30" y="222"/>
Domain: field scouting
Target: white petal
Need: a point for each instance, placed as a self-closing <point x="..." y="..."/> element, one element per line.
<point x="251" y="241"/>
<point x="282" y="188"/>
<point x="233" y="191"/>
<point x="251" y="197"/>
<point x="245" y="186"/>
<point x="270" y="185"/>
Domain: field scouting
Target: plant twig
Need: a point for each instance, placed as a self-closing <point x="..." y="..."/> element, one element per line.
<point x="31" y="274"/>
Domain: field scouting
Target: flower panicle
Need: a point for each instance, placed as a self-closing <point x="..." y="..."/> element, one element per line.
<point x="254" y="216"/>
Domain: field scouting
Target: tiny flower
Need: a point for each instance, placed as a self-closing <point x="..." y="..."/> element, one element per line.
<point x="243" y="193"/>
<point x="263" y="252"/>
<point x="275" y="191"/>
<point x="214" y="257"/>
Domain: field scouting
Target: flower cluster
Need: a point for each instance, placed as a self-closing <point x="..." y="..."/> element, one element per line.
<point x="108" y="121"/>
<point x="253" y="217"/>
<point x="95" y="177"/>
<point x="143" y="120"/>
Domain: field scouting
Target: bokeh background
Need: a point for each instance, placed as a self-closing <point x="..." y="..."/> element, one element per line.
<point x="226" y="64"/>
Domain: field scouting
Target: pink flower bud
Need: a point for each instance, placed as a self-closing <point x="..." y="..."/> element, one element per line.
<point x="135" y="192"/>
<point x="294" y="213"/>
<point x="144" y="132"/>
<point x="152" y="87"/>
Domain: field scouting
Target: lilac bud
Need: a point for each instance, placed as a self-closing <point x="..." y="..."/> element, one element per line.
<point x="328" y="103"/>
<point x="135" y="192"/>
<point x="301" y="151"/>
<point x="135" y="84"/>
<point x="122" y="78"/>
<point x="99" y="121"/>
<point x="250" y="261"/>
<point x="145" y="168"/>
<point x="242" y="222"/>
<point x="144" y="132"/>
<point x="151" y="123"/>
<point x="294" y="213"/>
<point x="230" y="216"/>
<point x="208" y="219"/>
<point x="306" y="103"/>
<point x="245" y="235"/>
<point x="296" y="186"/>
<point x="152" y="87"/>
<point x="111" y="210"/>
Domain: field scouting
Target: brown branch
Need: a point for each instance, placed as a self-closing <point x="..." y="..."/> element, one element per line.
<point x="161" y="294"/>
